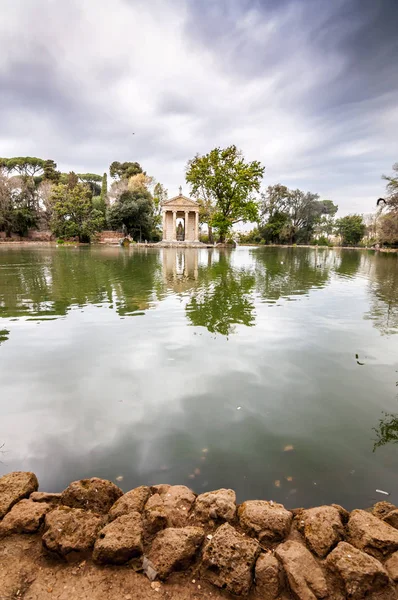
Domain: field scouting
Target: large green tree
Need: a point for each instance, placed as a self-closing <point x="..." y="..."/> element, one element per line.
<point x="133" y="212"/>
<point x="351" y="228"/>
<point x="228" y="183"/>
<point x="19" y="210"/>
<point x="124" y="170"/>
<point x="73" y="214"/>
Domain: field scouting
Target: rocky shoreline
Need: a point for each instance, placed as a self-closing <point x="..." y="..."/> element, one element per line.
<point x="167" y="540"/>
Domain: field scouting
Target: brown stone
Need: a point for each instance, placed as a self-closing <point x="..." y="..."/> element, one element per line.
<point x="344" y="514"/>
<point x="71" y="530"/>
<point x="381" y="509"/>
<point x="24" y="517"/>
<point x="368" y="533"/>
<point x="174" y="549"/>
<point x="323" y="529"/>
<point x="268" y="521"/>
<point x="14" y="487"/>
<point x="97" y="495"/>
<point x="362" y="575"/>
<point x="228" y="560"/>
<point x="217" y="505"/>
<point x="120" y="540"/>
<point x="133" y="501"/>
<point x="168" y="507"/>
<point x="392" y="566"/>
<point x="45" y="497"/>
<point x="306" y="578"/>
<point x="392" y="518"/>
<point x="268" y="577"/>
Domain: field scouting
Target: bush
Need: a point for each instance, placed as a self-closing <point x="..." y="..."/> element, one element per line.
<point x="321" y="241"/>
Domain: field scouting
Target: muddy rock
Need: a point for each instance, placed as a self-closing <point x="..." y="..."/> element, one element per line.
<point x="97" y="495"/>
<point x="45" y="497"/>
<point x="392" y="566"/>
<point x="120" y="540"/>
<point x="174" y="549"/>
<point x="268" y="577"/>
<point x="24" y="517"/>
<point x="322" y="529"/>
<point x="344" y="514"/>
<point x="392" y="518"/>
<point x="362" y="575"/>
<point x="306" y="578"/>
<point x="133" y="501"/>
<point x="228" y="560"/>
<point x="71" y="530"/>
<point x="169" y="506"/>
<point x="217" y="505"/>
<point x="381" y="509"/>
<point x="370" y="534"/>
<point x="14" y="487"/>
<point x="268" y="521"/>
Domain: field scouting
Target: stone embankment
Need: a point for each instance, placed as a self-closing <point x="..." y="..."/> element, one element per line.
<point x="257" y="549"/>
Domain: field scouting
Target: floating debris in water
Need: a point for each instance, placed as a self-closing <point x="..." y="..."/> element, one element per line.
<point x="205" y="450"/>
<point x="288" y="448"/>
<point x="277" y="483"/>
<point x="197" y="471"/>
<point x="191" y="476"/>
<point x="289" y="478"/>
<point x="238" y="407"/>
<point x="359" y="363"/>
<point x="383" y="492"/>
<point x="119" y="478"/>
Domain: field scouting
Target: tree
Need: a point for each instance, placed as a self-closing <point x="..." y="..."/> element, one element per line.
<point x="159" y="196"/>
<point x="134" y="212"/>
<point x="228" y="183"/>
<point x="388" y="228"/>
<point x="104" y="189"/>
<point x="351" y="228"/>
<point x="73" y="212"/>
<point x="392" y="189"/>
<point x="278" y="228"/>
<point x="124" y="170"/>
<point x="92" y="180"/>
<point x="18" y="204"/>
<point x="23" y="165"/>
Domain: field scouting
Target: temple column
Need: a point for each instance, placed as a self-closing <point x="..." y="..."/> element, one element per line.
<point x="164" y="237"/>
<point x="196" y="226"/>
<point x="186" y="226"/>
<point x="174" y="236"/>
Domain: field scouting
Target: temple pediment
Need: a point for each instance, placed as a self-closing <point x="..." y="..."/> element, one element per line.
<point x="180" y="201"/>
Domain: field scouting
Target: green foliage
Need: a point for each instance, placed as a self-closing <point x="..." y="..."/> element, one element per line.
<point x="227" y="183"/>
<point x="73" y="212"/>
<point x="277" y="230"/>
<point x="388" y="228"/>
<point x="134" y="212"/>
<point x="351" y="228"/>
<point x="387" y="431"/>
<point x="321" y="241"/>
<point x="124" y="170"/>
<point x="18" y="205"/>
<point x="92" y="180"/>
<point x="104" y="188"/>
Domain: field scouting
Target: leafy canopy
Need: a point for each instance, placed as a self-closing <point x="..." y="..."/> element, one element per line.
<point x="351" y="228"/>
<point x="227" y="182"/>
<point x="124" y="170"/>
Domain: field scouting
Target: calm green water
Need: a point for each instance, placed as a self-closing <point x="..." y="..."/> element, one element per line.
<point x="269" y="370"/>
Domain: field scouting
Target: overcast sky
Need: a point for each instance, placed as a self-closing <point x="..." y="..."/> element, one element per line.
<point x="308" y="87"/>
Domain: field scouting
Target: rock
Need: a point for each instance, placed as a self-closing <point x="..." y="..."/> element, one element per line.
<point x="71" y="530"/>
<point x="14" y="487"/>
<point x="169" y="506"/>
<point x="97" y="495"/>
<point x="362" y="575"/>
<point x="323" y="529"/>
<point x="155" y="514"/>
<point x="24" y="517"/>
<point x="268" y="577"/>
<point x="368" y="533"/>
<point x="306" y="578"/>
<point x="228" y="560"/>
<point x="133" y="501"/>
<point x="45" y="497"/>
<point x="120" y="540"/>
<point x="392" y="518"/>
<point x="381" y="509"/>
<point x="174" y="549"/>
<point x="268" y="521"/>
<point x="217" y="505"/>
<point x="392" y="566"/>
<point x="344" y="514"/>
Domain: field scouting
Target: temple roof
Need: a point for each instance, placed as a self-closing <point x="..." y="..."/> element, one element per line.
<point x="180" y="200"/>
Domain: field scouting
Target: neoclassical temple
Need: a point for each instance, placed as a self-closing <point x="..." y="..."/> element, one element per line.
<point x="175" y="209"/>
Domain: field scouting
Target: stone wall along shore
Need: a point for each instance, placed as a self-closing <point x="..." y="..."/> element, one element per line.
<point x="257" y="548"/>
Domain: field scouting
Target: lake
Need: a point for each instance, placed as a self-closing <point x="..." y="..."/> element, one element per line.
<point x="272" y="371"/>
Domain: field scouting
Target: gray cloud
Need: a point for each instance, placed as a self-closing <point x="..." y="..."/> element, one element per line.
<point x="307" y="87"/>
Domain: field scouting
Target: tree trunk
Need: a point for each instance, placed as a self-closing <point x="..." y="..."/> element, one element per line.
<point x="210" y="234"/>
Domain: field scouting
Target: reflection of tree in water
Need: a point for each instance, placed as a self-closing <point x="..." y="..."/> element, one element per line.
<point x="349" y="263"/>
<point x="282" y="272"/>
<point x="50" y="284"/>
<point x="386" y="431"/>
<point x="222" y="297"/>
<point x="383" y="289"/>
<point x="4" y="333"/>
